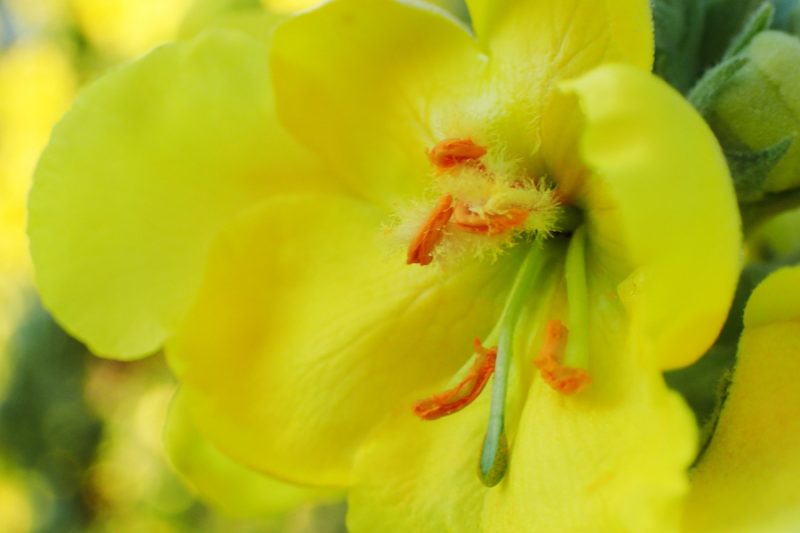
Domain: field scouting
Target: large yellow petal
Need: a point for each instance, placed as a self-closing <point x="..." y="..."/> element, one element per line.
<point x="307" y="331"/>
<point x="568" y="35"/>
<point x="533" y="46"/>
<point x="747" y="478"/>
<point x="660" y="201"/>
<point x="222" y="482"/>
<point x="422" y="476"/>
<point x="611" y="459"/>
<point x="361" y="81"/>
<point x="138" y="177"/>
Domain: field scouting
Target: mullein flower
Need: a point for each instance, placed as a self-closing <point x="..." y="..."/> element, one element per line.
<point x="746" y="478"/>
<point x="508" y="235"/>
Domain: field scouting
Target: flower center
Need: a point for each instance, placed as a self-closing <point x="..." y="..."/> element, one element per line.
<point x="485" y="202"/>
<point x="495" y="202"/>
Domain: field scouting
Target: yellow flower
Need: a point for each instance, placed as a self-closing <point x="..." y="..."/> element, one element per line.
<point x="746" y="479"/>
<point x="536" y="172"/>
<point x="36" y="84"/>
<point x="125" y="29"/>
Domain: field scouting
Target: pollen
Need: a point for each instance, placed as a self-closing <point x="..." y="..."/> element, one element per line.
<point x="451" y="153"/>
<point x="486" y="223"/>
<point x="564" y="379"/>
<point x="431" y="233"/>
<point x="487" y="203"/>
<point x="463" y="394"/>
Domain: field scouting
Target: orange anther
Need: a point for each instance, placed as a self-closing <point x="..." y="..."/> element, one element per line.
<point x="564" y="379"/>
<point x="463" y="394"/>
<point x="430" y="234"/>
<point x="452" y="152"/>
<point x="471" y="222"/>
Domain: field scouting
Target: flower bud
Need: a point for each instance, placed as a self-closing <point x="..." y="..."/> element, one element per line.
<point x="759" y="107"/>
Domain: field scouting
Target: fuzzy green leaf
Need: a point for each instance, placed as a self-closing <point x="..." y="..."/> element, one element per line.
<point x="678" y="33"/>
<point x="758" y="22"/>
<point x="750" y="169"/>
<point x="703" y="95"/>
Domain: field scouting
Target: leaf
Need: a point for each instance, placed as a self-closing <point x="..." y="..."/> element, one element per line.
<point x="749" y="170"/>
<point x="678" y="28"/>
<point x="704" y="93"/>
<point x="758" y="22"/>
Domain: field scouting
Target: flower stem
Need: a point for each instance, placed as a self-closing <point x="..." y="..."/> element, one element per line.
<point x="494" y="456"/>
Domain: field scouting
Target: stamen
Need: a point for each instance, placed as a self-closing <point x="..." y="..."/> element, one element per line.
<point x="453" y="152"/>
<point x="488" y="224"/>
<point x="564" y="379"/>
<point x="430" y="234"/>
<point x="463" y="394"/>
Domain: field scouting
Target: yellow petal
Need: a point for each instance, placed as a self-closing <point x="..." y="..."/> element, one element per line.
<point x="420" y="476"/>
<point x="612" y="458"/>
<point x="360" y="82"/>
<point x="151" y="161"/>
<point x="307" y="331"/>
<point x="533" y="46"/>
<point x="777" y="299"/>
<point x="222" y="482"/>
<point x="659" y="201"/>
<point x="568" y="35"/>
<point x="246" y="16"/>
<point x="747" y="478"/>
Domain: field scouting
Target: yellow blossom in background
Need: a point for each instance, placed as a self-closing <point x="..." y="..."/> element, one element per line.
<point x="747" y="479"/>
<point x="128" y="28"/>
<point x="292" y="6"/>
<point x="289" y="6"/>
<point x="37" y="85"/>
<point x="16" y="515"/>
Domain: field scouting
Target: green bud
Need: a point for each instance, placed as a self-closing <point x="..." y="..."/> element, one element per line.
<point x="757" y="111"/>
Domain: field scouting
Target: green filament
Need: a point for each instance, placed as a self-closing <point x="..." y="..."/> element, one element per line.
<point x="576" y="354"/>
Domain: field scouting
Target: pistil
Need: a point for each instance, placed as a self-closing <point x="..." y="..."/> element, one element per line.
<point x="494" y="455"/>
